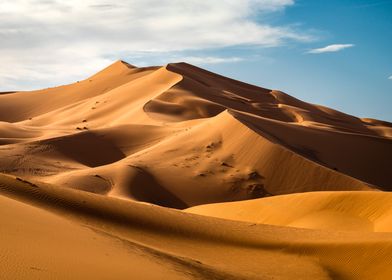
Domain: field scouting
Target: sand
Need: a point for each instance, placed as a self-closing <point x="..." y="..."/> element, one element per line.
<point x="354" y="211"/>
<point x="177" y="171"/>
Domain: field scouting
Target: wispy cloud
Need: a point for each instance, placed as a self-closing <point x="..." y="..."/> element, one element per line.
<point x="200" y="60"/>
<point x="44" y="38"/>
<point x="390" y="77"/>
<point x="331" y="48"/>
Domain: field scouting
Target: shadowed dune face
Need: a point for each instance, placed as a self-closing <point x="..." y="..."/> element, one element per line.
<point x="334" y="150"/>
<point x="198" y="137"/>
<point x="86" y="148"/>
<point x="142" y="186"/>
<point x="263" y="179"/>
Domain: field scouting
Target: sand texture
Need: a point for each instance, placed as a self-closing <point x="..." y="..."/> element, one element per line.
<point x="175" y="172"/>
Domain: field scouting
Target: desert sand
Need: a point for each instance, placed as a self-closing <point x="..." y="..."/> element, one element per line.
<point x="175" y="172"/>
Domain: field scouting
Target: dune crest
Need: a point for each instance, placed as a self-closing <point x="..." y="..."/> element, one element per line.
<point x="177" y="171"/>
<point x="83" y="135"/>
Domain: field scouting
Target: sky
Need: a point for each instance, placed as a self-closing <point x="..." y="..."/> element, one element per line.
<point x="336" y="53"/>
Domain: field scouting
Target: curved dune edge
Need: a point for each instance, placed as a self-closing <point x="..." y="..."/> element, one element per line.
<point x="197" y="246"/>
<point x="128" y="127"/>
<point x="89" y="163"/>
<point x="229" y="166"/>
<point x="353" y="211"/>
<point x="215" y="159"/>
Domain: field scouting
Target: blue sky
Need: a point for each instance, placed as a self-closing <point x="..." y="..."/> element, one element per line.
<point x="354" y="80"/>
<point x="334" y="53"/>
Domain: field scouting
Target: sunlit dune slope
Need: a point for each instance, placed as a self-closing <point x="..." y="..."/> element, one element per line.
<point x="180" y="136"/>
<point x="355" y="211"/>
<point x="215" y="164"/>
<point x="272" y="187"/>
<point x="50" y="232"/>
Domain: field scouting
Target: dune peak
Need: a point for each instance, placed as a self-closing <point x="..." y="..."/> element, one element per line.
<point x="93" y="168"/>
<point x="118" y="67"/>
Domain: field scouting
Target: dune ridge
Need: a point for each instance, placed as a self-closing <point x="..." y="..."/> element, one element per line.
<point x="58" y="141"/>
<point x="177" y="171"/>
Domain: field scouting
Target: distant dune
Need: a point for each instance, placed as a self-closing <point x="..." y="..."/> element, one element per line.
<point x="282" y="189"/>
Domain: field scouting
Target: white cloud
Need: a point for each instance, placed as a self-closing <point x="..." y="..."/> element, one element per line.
<point x="43" y="41"/>
<point x="390" y="77"/>
<point x="332" y="48"/>
<point x="201" y="60"/>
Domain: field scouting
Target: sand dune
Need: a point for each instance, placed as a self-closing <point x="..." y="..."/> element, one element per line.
<point x="98" y="134"/>
<point x="270" y="180"/>
<point x="356" y="211"/>
<point x="195" y="246"/>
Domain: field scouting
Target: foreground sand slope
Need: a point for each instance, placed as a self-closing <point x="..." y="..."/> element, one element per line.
<point x="36" y="244"/>
<point x="73" y="231"/>
<point x="129" y="132"/>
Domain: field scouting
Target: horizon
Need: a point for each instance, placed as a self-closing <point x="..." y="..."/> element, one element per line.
<point x="335" y="54"/>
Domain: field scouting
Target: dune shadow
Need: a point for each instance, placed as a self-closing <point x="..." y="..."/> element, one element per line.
<point x="87" y="148"/>
<point x="144" y="187"/>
